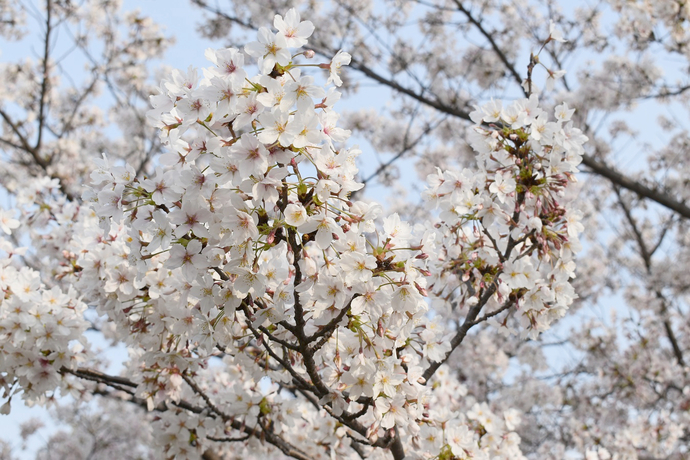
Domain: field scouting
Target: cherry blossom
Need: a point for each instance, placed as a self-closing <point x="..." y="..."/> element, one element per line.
<point x="270" y="307"/>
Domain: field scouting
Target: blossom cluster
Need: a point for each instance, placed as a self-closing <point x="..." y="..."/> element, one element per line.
<point x="245" y="248"/>
<point x="508" y="234"/>
<point x="41" y="329"/>
<point x="246" y="233"/>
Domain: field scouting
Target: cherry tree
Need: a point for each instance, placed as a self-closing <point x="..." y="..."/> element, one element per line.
<point x="269" y="307"/>
<point x="625" y="393"/>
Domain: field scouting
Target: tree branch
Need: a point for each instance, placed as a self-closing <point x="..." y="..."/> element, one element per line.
<point x="462" y="332"/>
<point x="494" y="46"/>
<point x="646" y="256"/>
<point x="119" y="382"/>
<point x="44" y="83"/>
<point x="640" y="189"/>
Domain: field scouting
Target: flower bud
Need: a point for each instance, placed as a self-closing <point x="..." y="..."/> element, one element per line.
<point x="372" y="433"/>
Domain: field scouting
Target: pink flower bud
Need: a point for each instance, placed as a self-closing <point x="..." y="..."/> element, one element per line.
<point x="372" y="433"/>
